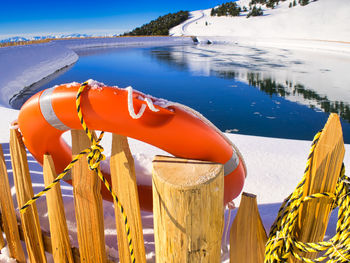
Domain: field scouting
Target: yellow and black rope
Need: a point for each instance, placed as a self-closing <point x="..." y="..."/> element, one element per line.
<point x="281" y="244"/>
<point x="94" y="157"/>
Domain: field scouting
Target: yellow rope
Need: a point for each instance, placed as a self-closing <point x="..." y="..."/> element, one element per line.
<point x="281" y="244"/>
<point x="94" y="157"/>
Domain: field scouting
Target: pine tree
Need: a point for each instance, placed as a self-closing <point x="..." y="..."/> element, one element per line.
<point x="226" y="9"/>
<point x="255" y="12"/>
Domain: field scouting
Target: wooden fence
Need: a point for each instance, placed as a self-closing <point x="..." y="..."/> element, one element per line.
<point x="187" y="200"/>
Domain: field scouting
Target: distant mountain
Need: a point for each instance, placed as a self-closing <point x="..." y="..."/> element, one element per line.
<point x="19" y="38"/>
<point x="13" y="39"/>
<point x="76" y="35"/>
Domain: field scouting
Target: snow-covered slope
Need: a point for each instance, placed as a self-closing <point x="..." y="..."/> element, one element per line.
<point x="21" y="66"/>
<point x="320" y="20"/>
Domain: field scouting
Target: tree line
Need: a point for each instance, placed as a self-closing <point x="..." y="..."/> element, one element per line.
<point x="232" y="9"/>
<point x="226" y="9"/>
<point x="160" y="26"/>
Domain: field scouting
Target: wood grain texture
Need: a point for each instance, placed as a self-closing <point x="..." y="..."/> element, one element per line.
<point x="48" y="246"/>
<point x="124" y="185"/>
<point x="9" y="214"/>
<point x="2" y="241"/>
<point x="61" y="249"/>
<point x="24" y="192"/>
<point x="324" y="172"/>
<point x="188" y="210"/>
<point x="88" y="204"/>
<point x="247" y="235"/>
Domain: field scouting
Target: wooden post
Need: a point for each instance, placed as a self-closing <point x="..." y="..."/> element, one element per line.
<point x="247" y="235"/>
<point x="8" y="214"/>
<point x="188" y="210"/>
<point x="324" y="172"/>
<point x="24" y="192"/>
<point x="124" y="185"/>
<point x="61" y="248"/>
<point x="88" y="204"/>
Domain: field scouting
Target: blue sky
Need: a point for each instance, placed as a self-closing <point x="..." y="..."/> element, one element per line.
<point x="41" y="17"/>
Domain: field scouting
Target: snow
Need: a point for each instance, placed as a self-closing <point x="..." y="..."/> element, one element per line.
<point x="275" y="166"/>
<point x="79" y="44"/>
<point x="320" y="20"/>
<point x="28" y="64"/>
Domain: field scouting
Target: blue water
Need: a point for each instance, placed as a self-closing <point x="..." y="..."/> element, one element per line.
<point x="232" y="105"/>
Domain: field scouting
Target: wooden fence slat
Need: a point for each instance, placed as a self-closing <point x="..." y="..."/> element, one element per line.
<point x="2" y="241"/>
<point x="48" y="246"/>
<point x="124" y="185"/>
<point x="9" y="214"/>
<point x="324" y="172"/>
<point x="188" y="210"/>
<point x="247" y="235"/>
<point x="61" y="248"/>
<point x="88" y="204"/>
<point x="24" y="192"/>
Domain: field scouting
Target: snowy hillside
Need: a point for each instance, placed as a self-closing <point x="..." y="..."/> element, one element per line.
<point x="320" y="20"/>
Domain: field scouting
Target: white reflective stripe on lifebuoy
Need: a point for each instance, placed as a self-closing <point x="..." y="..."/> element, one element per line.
<point x="48" y="112"/>
<point x="50" y="116"/>
<point x="231" y="164"/>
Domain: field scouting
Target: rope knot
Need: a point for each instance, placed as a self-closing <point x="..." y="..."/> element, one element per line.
<point x="95" y="156"/>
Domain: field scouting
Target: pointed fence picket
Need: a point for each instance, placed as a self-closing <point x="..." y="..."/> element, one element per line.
<point x="88" y="207"/>
<point x="61" y="248"/>
<point x="187" y="229"/>
<point x="24" y="190"/>
<point x="88" y="204"/>
<point x="324" y="173"/>
<point x="10" y="225"/>
<point x="247" y="233"/>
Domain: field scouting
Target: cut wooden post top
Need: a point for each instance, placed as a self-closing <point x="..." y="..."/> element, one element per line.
<point x="175" y="171"/>
<point x="253" y="196"/>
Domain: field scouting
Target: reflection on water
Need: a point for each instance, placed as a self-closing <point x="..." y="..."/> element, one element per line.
<point x="314" y="100"/>
<point x="298" y="76"/>
<point x="248" y="90"/>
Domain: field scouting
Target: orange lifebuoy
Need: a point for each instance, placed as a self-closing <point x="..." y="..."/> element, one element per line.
<point x="175" y="129"/>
